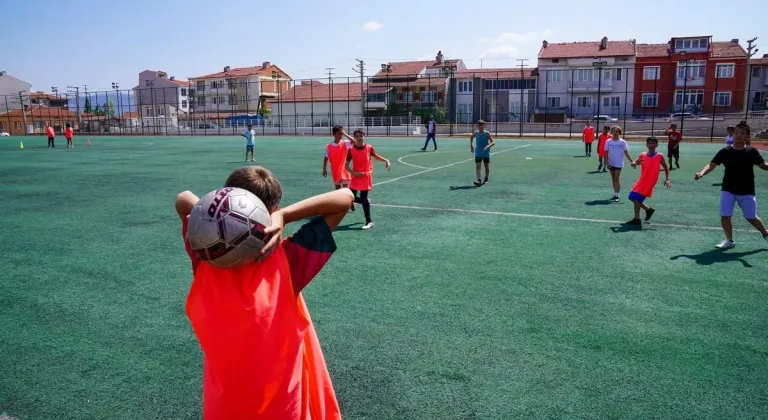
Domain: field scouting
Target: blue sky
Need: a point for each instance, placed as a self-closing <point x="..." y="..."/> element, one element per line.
<point x="59" y="43"/>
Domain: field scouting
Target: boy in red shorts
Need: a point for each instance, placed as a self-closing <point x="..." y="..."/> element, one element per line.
<point x="262" y="358"/>
<point x="360" y="165"/>
<point x="651" y="163"/>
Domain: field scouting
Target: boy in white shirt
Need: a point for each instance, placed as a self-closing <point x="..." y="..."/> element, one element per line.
<point x="729" y="138"/>
<point x="616" y="149"/>
<point x="249" y="135"/>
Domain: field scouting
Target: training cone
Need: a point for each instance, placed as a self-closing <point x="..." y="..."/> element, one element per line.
<point x="21" y="145"/>
<point x="88" y="142"/>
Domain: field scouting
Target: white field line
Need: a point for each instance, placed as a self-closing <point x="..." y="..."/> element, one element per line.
<point x="441" y="167"/>
<point x="549" y="217"/>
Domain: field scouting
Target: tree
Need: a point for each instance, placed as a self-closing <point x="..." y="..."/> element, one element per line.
<point x="88" y="109"/>
<point x="111" y="108"/>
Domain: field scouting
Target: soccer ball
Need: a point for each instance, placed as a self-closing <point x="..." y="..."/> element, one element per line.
<point x="226" y="227"/>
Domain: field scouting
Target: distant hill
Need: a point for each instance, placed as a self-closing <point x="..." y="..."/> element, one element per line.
<point x="124" y="102"/>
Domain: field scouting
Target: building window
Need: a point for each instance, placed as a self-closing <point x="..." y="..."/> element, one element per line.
<point x="200" y="86"/>
<point x="429" y="96"/>
<point x="201" y="101"/>
<point x="553" y="102"/>
<point x="18" y="125"/>
<point x="243" y="83"/>
<point x="617" y="74"/>
<point x="184" y="103"/>
<point x="685" y="44"/>
<point x="757" y="71"/>
<point x="243" y="99"/>
<point x="690" y="98"/>
<point x="722" y="98"/>
<point x="554" y="76"/>
<point x="148" y="111"/>
<point x="584" y="102"/>
<point x="183" y="92"/>
<point x="724" y="71"/>
<point x="612" y="101"/>
<point x="214" y="85"/>
<point x="465" y="86"/>
<point x="160" y="111"/>
<point x="650" y="100"/>
<point x="584" y="75"/>
<point x="651" y="73"/>
<point x="696" y="70"/>
<point x="2" y="125"/>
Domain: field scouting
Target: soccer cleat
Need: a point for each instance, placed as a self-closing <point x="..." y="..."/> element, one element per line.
<point x="649" y="213"/>
<point x="478" y="183"/>
<point x="634" y="222"/>
<point x="678" y="165"/>
<point x="599" y="167"/>
<point x="485" y="181"/>
<point x="726" y="244"/>
<point x="423" y="149"/>
<point x="368" y="225"/>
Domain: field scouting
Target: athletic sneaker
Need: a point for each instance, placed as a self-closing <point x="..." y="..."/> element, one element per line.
<point x="726" y="244"/>
<point x="615" y="199"/>
<point x="478" y="183"/>
<point x="649" y="213"/>
<point x="599" y="167"/>
<point x="485" y="181"/>
<point x="634" y="222"/>
<point x="678" y="165"/>
<point x="368" y="226"/>
<point x="423" y="149"/>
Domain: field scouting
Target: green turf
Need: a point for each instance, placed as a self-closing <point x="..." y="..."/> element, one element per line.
<point x="433" y="314"/>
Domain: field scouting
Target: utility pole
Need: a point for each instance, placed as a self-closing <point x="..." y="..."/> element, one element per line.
<point x="360" y="69"/>
<point x="77" y="101"/>
<point x="522" y="86"/>
<point x="23" y="111"/>
<point x="330" y="95"/>
<point x="747" y="101"/>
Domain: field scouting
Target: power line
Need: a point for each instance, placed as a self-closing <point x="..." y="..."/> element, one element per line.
<point x="360" y="69"/>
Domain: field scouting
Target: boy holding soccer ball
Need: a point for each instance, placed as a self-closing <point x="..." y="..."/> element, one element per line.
<point x="262" y="356"/>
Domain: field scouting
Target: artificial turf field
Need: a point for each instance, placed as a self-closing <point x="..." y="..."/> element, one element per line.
<point x="524" y="298"/>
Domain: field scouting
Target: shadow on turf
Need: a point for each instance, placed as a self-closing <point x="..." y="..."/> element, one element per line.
<point x="350" y="226"/>
<point x="720" y="256"/>
<point x="462" y="187"/>
<point x="623" y="228"/>
<point x="600" y="203"/>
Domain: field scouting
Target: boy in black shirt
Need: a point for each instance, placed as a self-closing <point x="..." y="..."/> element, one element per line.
<point x="738" y="182"/>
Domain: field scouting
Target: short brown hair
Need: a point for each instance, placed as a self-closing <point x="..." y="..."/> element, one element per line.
<point x="359" y="130"/>
<point x="744" y="126"/>
<point x="260" y="182"/>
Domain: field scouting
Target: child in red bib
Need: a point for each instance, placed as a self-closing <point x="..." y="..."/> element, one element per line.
<point x="360" y="165"/>
<point x="262" y="357"/>
<point x="336" y="154"/>
<point x="651" y="163"/>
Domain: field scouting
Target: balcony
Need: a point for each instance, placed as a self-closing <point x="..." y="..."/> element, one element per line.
<point x="691" y="82"/>
<point x="591" y="87"/>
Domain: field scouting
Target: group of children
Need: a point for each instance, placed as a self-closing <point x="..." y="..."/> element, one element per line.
<point x="738" y="158"/>
<point x="258" y="309"/>
<point x="68" y="134"/>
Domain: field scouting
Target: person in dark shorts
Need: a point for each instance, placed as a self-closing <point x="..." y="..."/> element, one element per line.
<point x="482" y="151"/>
<point x="673" y="146"/>
<point x="51" y="135"/>
<point x="739" y="161"/>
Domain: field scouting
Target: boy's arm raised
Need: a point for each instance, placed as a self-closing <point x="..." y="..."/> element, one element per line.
<point x="331" y="206"/>
<point x="185" y="201"/>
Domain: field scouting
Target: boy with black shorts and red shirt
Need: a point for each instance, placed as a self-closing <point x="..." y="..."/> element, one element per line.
<point x="738" y="183"/>
<point x="673" y="147"/>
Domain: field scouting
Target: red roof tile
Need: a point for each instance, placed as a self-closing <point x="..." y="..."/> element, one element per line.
<point x="727" y="50"/>
<point x="182" y="83"/>
<point x="652" y="50"/>
<point x="129" y="115"/>
<point x="244" y="72"/>
<point x="43" y="95"/>
<point x="405" y="68"/>
<point x="500" y="73"/>
<point x="313" y="92"/>
<point x="759" y="61"/>
<point x="587" y="49"/>
<point x="36" y="111"/>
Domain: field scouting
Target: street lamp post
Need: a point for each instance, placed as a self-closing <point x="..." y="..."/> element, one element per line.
<point x="451" y="95"/>
<point x="231" y="85"/>
<point x="387" y="68"/>
<point x="276" y="78"/>
<point x="599" y="66"/>
<point x="685" y="94"/>
<point x="150" y="84"/>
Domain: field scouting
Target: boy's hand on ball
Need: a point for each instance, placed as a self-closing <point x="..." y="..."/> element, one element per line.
<point x="274" y="233"/>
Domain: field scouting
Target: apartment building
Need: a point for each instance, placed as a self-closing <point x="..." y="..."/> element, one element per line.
<point x="584" y="79"/>
<point x="159" y="96"/>
<point x="495" y="94"/>
<point x="239" y="90"/>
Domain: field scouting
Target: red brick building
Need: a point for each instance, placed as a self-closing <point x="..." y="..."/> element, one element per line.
<point x="691" y="74"/>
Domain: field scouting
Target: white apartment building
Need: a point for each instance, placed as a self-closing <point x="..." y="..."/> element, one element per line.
<point x="158" y="95"/>
<point x="239" y="90"/>
<point x="583" y="79"/>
